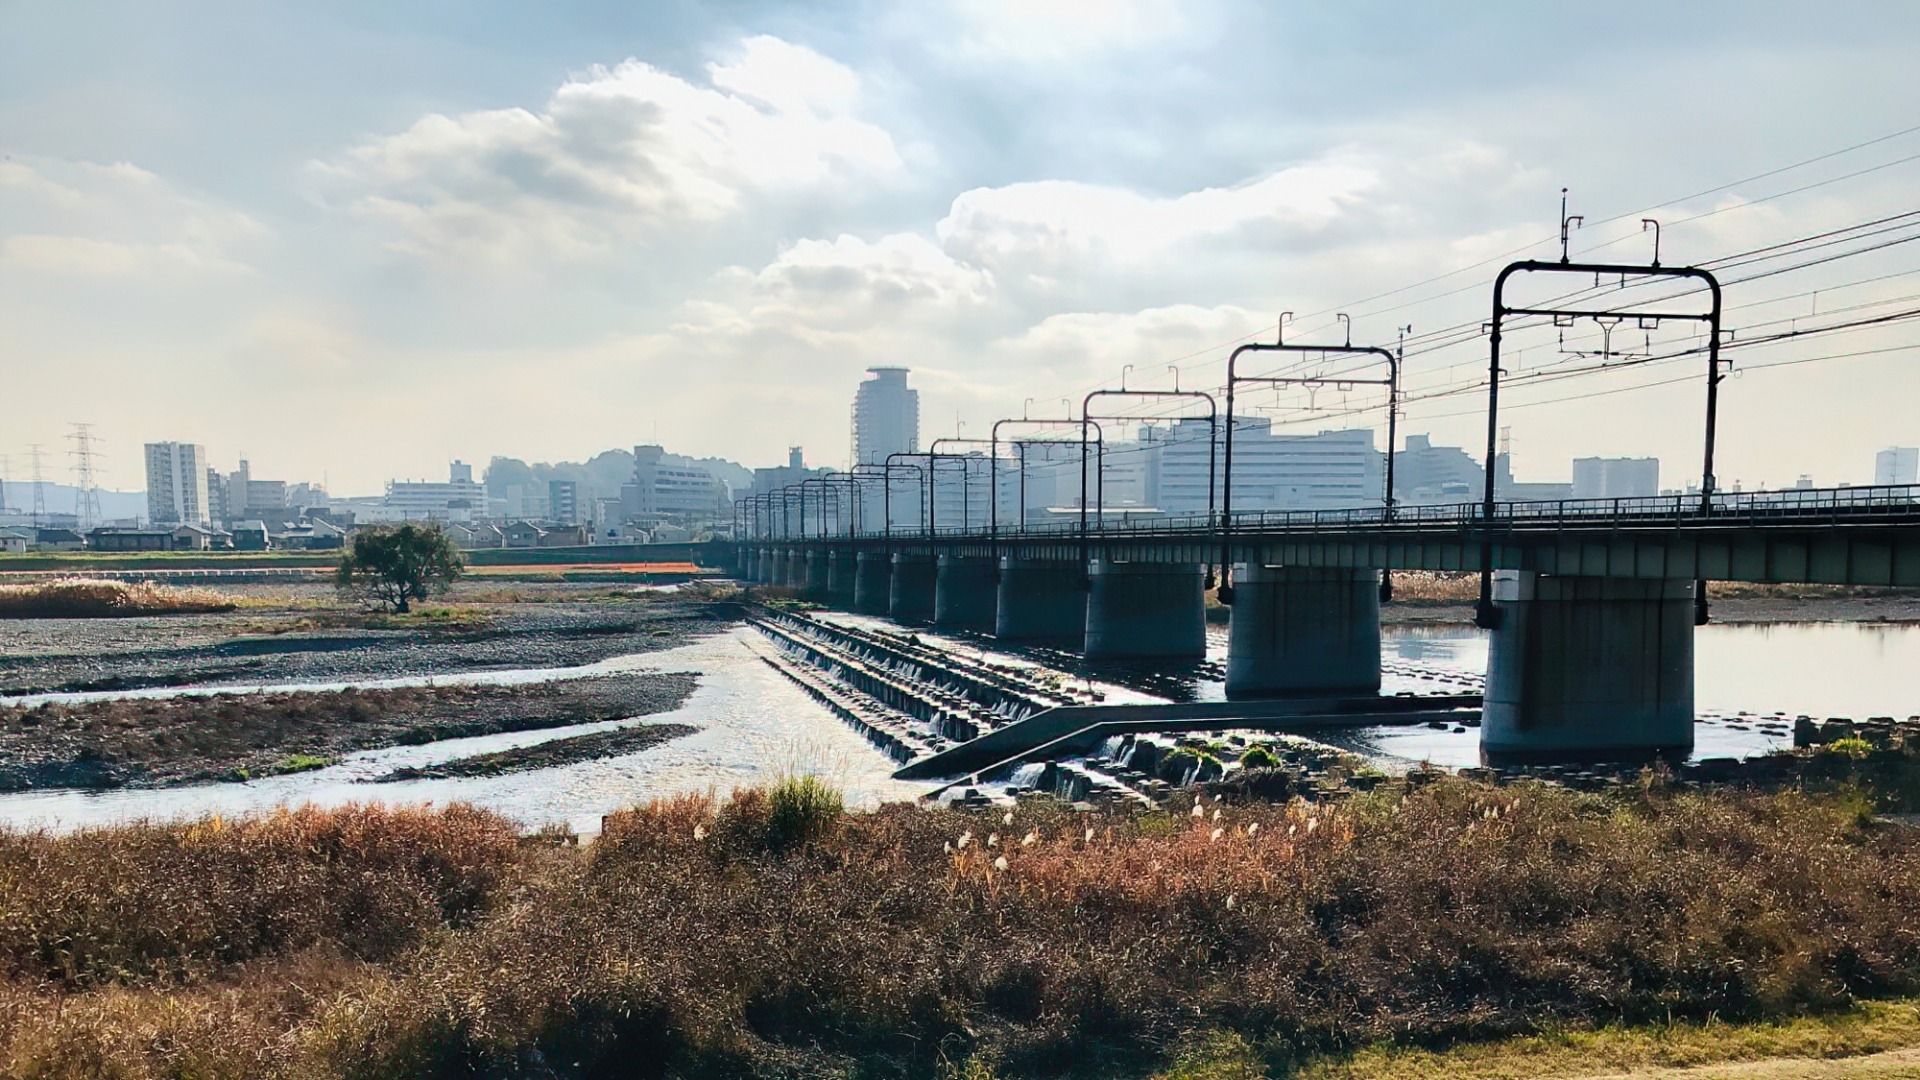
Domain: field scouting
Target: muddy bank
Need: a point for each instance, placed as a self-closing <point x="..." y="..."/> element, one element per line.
<point x="291" y="644"/>
<point x="547" y="755"/>
<point x="192" y="739"/>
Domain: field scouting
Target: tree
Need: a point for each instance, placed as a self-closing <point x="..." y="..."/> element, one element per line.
<point x="394" y="567"/>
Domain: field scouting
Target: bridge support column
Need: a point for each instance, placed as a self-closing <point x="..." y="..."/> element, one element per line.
<point x="872" y="578"/>
<point x="815" y="582"/>
<point x="1042" y="601"/>
<point x="1588" y="668"/>
<point x="964" y="593"/>
<point x="1303" y="630"/>
<point x="794" y="576"/>
<point x="910" y="595"/>
<point x="1146" y="610"/>
<point x="840" y="578"/>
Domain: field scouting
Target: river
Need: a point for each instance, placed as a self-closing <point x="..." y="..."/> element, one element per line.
<point x="1750" y="680"/>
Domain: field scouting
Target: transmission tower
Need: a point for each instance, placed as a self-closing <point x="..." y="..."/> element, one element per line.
<point x="86" y="496"/>
<point x="39" y="487"/>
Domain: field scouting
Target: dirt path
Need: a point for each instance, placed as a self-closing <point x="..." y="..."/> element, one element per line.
<point x="1882" y="1066"/>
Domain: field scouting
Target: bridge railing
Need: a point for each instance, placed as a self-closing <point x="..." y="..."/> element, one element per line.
<point x="1792" y="506"/>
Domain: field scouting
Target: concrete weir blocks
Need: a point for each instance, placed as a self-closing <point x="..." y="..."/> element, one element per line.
<point x="965" y="592"/>
<point x="1303" y="630"/>
<point x="1588" y="667"/>
<point x="910" y="597"/>
<point x="840" y="579"/>
<point x="1139" y="610"/>
<point x="872" y="578"/>
<point x="1043" y="601"/>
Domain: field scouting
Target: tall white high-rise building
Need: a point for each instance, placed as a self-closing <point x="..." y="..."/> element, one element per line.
<point x="1615" y="478"/>
<point x="886" y="416"/>
<point x="177" y="484"/>
<point x="1897" y="465"/>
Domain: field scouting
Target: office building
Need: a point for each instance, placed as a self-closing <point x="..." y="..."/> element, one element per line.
<point x="563" y="501"/>
<point x="459" y="499"/>
<point x="1615" y="478"/>
<point x="1897" y="465"/>
<point x="886" y="416"/>
<point x="177" y="484"/>
<point x="669" y="486"/>
<point x="1429" y="475"/>
<point x="1332" y="470"/>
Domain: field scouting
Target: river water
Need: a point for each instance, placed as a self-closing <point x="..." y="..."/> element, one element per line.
<point x="1750" y="681"/>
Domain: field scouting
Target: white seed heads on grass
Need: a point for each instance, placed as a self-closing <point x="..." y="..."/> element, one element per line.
<point x="1008" y="820"/>
<point x="699" y="832"/>
<point x="1000" y="863"/>
<point x="965" y="839"/>
<point x="1216" y="812"/>
<point x="1032" y="838"/>
<point x="1217" y="833"/>
<point x="1231" y="904"/>
<point x="993" y="839"/>
<point x="1253" y="828"/>
<point x="1198" y="810"/>
<point x="1089" y="836"/>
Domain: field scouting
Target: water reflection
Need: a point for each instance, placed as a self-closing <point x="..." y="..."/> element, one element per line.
<point x="754" y="723"/>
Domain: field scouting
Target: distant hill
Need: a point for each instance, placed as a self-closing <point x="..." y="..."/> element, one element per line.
<point x="60" y="499"/>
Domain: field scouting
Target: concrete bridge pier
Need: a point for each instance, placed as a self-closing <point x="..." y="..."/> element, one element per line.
<point x="964" y="595"/>
<point x="872" y="580"/>
<point x="775" y="562"/>
<point x="1589" y="668"/>
<point x="910" y="595"/>
<point x="1303" y="630"/>
<point x="840" y="579"/>
<point x="1139" y="610"/>
<point x="1043" y="601"/>
<point x="814" y="586"/>
<point x="795" y="575"/>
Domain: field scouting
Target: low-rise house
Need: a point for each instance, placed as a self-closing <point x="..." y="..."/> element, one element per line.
<point x="13" y="542"/>
<point x="523" y="534"/>
<point x="105" y="539"/>
<point x="192" y="537"/>
<point x="251" y="535"/>
<point x="565" y="536"/>
<point x="57" y="540"/>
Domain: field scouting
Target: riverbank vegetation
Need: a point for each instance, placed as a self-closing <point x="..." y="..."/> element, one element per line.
<point x="772" y="934"/>
<point x="191" y="738"/>
<point x="91" y="598"/>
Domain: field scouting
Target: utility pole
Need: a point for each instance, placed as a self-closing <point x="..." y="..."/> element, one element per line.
<point x="39" y="487"/>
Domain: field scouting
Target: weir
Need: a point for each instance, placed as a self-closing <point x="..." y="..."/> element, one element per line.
<point x="1146" y="610"/>
<point x="964" y="593"/>
<point x="1043" y="602"/>
<point x="1303" y="630"/>
<point x="1589" y="667"/>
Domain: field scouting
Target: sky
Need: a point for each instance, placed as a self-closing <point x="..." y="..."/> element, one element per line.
<point x="354" y="241"/>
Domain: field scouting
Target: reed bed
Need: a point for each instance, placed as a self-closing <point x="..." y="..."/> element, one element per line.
<point x="769" y="933"/>
<point x="93" y="598"/>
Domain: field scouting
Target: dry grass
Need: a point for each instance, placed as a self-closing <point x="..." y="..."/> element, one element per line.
<point x="89" y="598"/>
<point x="710" y="937"/>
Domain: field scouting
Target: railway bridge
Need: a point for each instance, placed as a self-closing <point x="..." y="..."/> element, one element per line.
<point x="1591" y="605"/>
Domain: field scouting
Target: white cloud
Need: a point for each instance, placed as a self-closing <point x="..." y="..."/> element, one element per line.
<point x="1044" y="229"/>
<point x="623" y="153"/>
<point x="119" y="220"/>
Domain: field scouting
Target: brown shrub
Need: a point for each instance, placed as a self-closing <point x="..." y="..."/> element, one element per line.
<point x="90" y="598"/>
<point x="683" y="943"/>
<point x="144" y="903"/>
